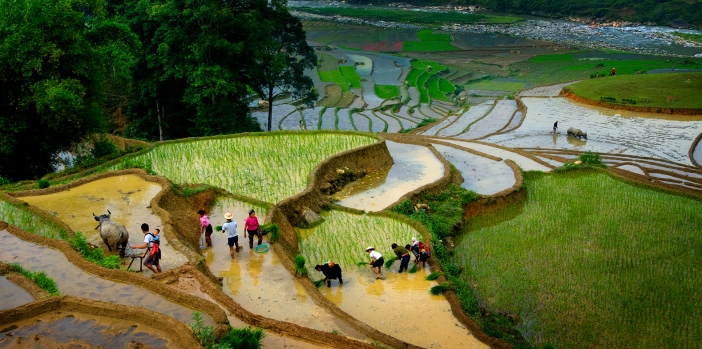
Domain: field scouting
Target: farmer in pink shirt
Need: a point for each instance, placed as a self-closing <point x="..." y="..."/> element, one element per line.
<point x="251" y="226"/>
<point x="206" y="227"/>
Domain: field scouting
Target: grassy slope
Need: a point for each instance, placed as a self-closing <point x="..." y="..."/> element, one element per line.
<point x="588" y="261"/>
<point x="647" y="90"/>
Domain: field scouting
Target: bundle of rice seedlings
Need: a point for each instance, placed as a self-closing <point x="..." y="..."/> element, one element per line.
<point x="433" y="275"/>
<point x="413" y="269"/>
<point x="318" y="283"/>
<point x="439" y="289"/>
<point x="300" y="269"/>
<point x="360" y="264"/>
<point x="389" y="262"/>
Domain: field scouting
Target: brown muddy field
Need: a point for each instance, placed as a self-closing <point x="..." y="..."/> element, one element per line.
<point x="128" y="197"/>
<point x="64" y="330"/>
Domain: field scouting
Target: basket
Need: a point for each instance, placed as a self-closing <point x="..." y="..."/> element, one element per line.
<point x="262" y="248"/>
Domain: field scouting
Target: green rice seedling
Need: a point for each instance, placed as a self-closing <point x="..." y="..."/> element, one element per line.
<point x="361" y="264"/>
<point x="433" y="276"/>
<point x="413" y="269"/>
<point x="219" y="228"/>
<point x="439" y="289"/>
<point x="389" y="262"/>
<point x="27" y="220"/>
<point x="344" y="236"/>
<point x="277" y="164"/>
<point x="44" y="282"/>
<point x="300" y="269"/>
<point x="319" y="283"/>
<point x="624" y="259"/>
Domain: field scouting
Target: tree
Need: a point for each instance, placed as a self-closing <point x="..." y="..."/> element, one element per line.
<point x="191" y="78"/>
<point x="283" y="56"/>
<point x="52" y="76"/>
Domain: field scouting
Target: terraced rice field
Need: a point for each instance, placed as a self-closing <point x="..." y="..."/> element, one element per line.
<point x="269" y="177"/>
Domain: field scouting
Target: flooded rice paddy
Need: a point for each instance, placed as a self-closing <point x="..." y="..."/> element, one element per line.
<point x="522" y="161"/>
<point x="259" y="282"/>
<point x="399" y="305"/>
<point x="414" y="167"/>
<point x="59" y="330"/>
<point x="74" y="281"/>
<point x="128" y="197"/>
<point x="608" y="131"/>
<point x="481" y="175"/>
<point x="11" y="295"/>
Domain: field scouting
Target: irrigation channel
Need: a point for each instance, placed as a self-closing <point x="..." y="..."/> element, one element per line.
<point x="487" y="143"/>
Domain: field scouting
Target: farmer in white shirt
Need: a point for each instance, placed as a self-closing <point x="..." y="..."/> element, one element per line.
<point x="376" y="261"/>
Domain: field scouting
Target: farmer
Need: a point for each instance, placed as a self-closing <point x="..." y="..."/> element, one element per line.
<point x="149" y="261"/>
<point x="613" y="73"/>
<point x="232" y="235"/>
<point x="414" y="247"/>
<point x="331" y="271"/>
<point x="206" y="227"/>
<point x="376" y="261"/>
<point x="251" y="226"/>
<point x="555" y="127"/>
<point x="403" y="255"/>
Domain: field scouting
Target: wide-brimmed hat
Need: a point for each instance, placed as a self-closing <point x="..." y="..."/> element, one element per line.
<point x="228" y="215"/>
<point x="414" y="239"/>
<point x="370" y="248"/>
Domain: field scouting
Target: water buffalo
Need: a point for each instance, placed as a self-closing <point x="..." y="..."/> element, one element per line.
<point x="576" y="133"/>
<point x="113" y="234"/>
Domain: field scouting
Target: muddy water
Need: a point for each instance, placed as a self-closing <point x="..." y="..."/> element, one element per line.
<point x="481" y="175"/>
<point x="127" y="197"/>
<point x="369" y="181"/>
<point x="400" y="306"/>
<point x="609" y="131"/>
<point x="414" y="167"/>
<point x="11" y="295"/>
<point x="259" y="282"/>
<point x="58" y="330"/>
<point x="73" y="281"/>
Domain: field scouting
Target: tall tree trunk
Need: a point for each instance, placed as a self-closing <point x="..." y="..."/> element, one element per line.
<point x="158" y="115"/>
<point x="270" y="107"/>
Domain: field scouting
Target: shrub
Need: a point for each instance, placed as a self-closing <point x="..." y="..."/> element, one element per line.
<point x="103" y="148"/>
<point x="273" y="229"/>
<point x="4" y="180"/>
<point x="243" y="338"/>
<point x="80" y="244"/>
<point x="43" y="183"/>
<point x="205" y="334"/>
<point x="592" y="158"/>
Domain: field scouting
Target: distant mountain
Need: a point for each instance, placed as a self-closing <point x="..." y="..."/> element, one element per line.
<point x="679" y="13"/>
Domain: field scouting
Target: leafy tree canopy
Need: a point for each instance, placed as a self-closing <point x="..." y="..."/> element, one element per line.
<point x="53" y="56"/>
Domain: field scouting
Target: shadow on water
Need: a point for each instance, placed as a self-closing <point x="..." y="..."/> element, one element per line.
<point x="54" y="331"/>
<point x="576" y="141"/>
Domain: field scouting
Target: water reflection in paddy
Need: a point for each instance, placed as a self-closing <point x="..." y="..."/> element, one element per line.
<point x="414" y="166"/>
<point x="74" y="281"/>
<point x="11" y="295"/>
<point x="54" y="330"/>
